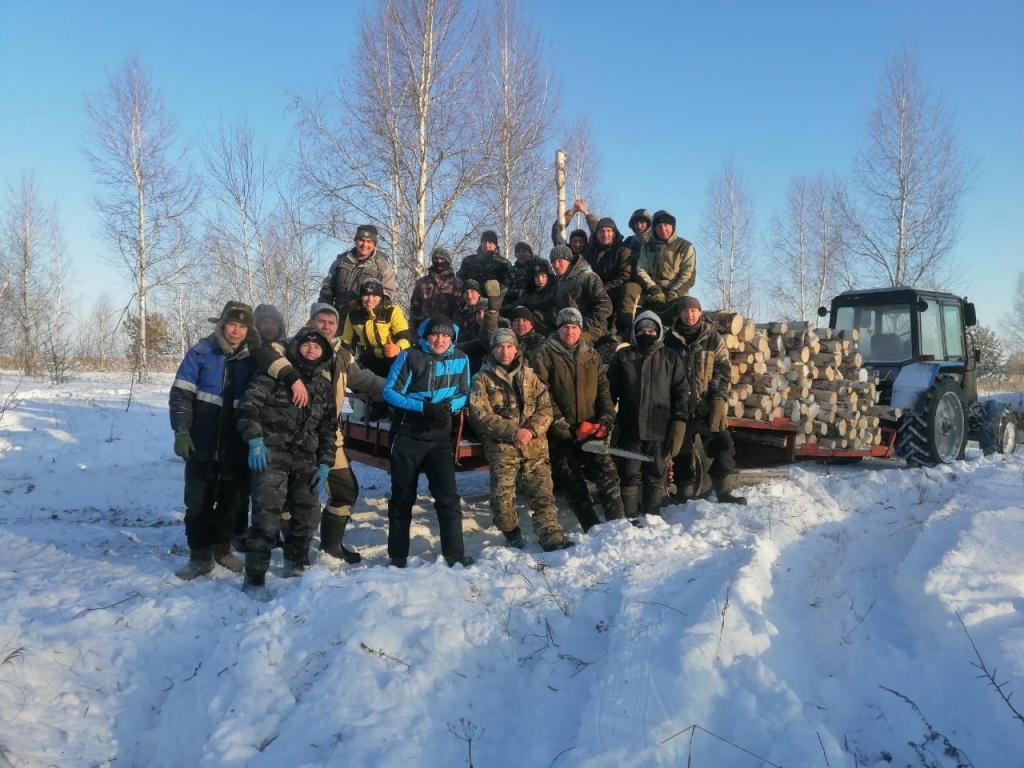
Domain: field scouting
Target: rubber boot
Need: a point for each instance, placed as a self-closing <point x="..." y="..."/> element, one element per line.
<point x="254" y="585"/>
<point x="587" y="517"/>
<point x="515" y="538"/>
<point x="200" y="562"/>
<point x="332" y="531"/>
<point x="723" y="494"/>
<point x="631" y="502"/>
<point x="652" y="500"/>
<point x="222" y="554"/>
<point x="294" y="568"/>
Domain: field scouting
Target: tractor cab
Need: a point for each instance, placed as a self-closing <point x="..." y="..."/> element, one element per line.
<point x="901" y="326"/>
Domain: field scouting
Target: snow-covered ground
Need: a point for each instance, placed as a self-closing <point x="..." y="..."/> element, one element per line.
<point x="816" y="627"/>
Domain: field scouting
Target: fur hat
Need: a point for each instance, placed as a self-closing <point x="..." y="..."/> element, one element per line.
<point x="504" y="336"/>
<point x="234" y="312"/>
<point x="568" y="316"/>
<point x="640" y="214"/>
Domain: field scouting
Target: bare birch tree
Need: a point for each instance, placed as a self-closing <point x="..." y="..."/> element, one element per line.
<point x="728" y="232"/>
<point x="807" y="248"/>
<point x="98" y="331"/>
<point x="401" y="141"/>
<point x="908" y="184"/>
<point x="31" y="238"/>
<point x="56" y="339"/>
<point x="1014" y="321"/>
<point x="147" y="192"/>
<point x="519" y="103"/>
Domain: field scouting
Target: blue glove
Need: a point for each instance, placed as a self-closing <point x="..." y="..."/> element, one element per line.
<point x="318" y="483"/>
<point x="257" y="455"/>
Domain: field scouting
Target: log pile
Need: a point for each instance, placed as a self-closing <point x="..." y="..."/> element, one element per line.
<point x="812" y="377"/>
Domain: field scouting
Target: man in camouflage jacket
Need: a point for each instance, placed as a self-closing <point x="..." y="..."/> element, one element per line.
<point x="510" y="410"/>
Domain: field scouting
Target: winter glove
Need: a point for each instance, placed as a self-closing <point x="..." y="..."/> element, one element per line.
<point x="559" y="430"/>
<point x="656" y="297"/>
<point x="183" y="445"/>
<point x="439" y="413"/>
<point x="492" y="290"/>
<point x="257" y="455"/>
<point x="391" y="349"/>
<point x="717" y="417"/>
<point x="676" y="435"/>
<point x="318" y="482"/>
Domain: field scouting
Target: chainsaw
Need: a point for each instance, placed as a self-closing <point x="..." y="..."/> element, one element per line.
<point x="592" y="437"/>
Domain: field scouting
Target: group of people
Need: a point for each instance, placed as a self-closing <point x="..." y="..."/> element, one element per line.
<point x="551" y="360"/>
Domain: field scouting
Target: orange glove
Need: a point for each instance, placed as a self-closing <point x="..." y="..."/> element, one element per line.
<point x="590" y="430"/>
<point x="391" y="349"/>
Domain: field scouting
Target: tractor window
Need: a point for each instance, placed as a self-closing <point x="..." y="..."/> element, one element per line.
<point x="954" y="336"/>
<point x="884" y="331"/>
<point x="931" y="331"/>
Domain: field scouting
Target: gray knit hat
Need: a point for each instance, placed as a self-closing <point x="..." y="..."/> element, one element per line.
<point x="561" y="252"/>
<point x="567" y="316"/>
<point x="322" y="306"/>
<point x="504" y="336"/>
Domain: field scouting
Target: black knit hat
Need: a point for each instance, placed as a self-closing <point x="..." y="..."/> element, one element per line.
<point x="311" y="334"/>
<point x="269" y="313"/>
<point x="471" y="284"/>
<point x="607" y="221"/>
<point x="689" y="302"/>
<point x="368" y="231"/>
<point x="538" y="266"/>
<point x="522" y="313"/>
<point x="371" y="287"/>
<point x="663" y="217"/>
<point x="489" y="236"/>
<point x="439" y="324"/>
<point x="579" y="233"/>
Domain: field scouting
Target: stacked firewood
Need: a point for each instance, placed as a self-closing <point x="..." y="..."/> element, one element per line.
<point x="812" y="377"/>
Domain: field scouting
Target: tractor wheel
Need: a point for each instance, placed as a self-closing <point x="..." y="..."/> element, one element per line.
<point x="999" y="429"/>
<point x="934" y="431"/>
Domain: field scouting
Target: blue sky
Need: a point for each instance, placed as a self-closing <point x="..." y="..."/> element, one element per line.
<point x="671" y="89"/>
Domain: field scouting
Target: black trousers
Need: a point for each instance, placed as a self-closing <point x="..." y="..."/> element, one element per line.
<point x="216" y="497"/>
<point x="436" y="458"/>
<point x="285" y="481"/>
<point x="650" y="476"/>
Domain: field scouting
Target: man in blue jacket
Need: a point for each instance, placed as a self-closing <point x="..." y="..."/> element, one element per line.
<point x="426" y="386"/>
<point x="206" y="389"/>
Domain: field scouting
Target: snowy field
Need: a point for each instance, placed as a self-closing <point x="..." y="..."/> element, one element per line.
<point x="819" y="626"/>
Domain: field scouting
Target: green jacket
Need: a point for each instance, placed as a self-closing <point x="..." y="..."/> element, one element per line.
<point x="576" y="380"/>
<point x="669" y="266"/>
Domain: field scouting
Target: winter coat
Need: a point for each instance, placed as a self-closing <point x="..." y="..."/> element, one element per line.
<point x="267" y="411"/>
<point x="438" y="292"/>
<point x="650" y="387"/>
<point x="207" y="386"/>
<point x="466" y="317"/>
<point x="520" y="277"/>
<point x="418" y="375"/>
<point x="341" y="286"/>
<point x="541" y="301"/>
<point x="530" y="343"/>
<point x="612" y="263"/>
<point x="707" y="364"/>
<point x="503" y="401"/>
<point x="371" y="331"/>
<point x="482" y="266"/>
<point x="345" y="373"/>
<point x="576" y="380"/>
<point x="669" y="266"/>
<point x="581" y="288"/>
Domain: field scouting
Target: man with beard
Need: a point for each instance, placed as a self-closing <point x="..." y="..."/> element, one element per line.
<point x="708" y="370"/>
<point x="583" y="409"/>
<point x="436" y="293"/>
<point x="648" y="383"/>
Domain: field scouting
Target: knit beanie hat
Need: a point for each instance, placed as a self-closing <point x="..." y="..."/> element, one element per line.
<point x="689" y="302"/>
<point x="645" y="325"/>
<point x="523" y="246"/>
<point x="470" y="285"/>
<point x="522" y="313"/>
<point x="368" y="231"/>
<point x="663" y="217"/>
<point x="439" y="324"/>
<point x="569" y="316"/>
<point x="322" y="306"/>
<point x="489" y="236"/>
<point x="313" y="335"/>
<point x="606" y="222"/>
<point x="561" y="252"/>
<point x="504" y="336"/>
<point x="579" y="233"/>
<point x="441" y="254"/>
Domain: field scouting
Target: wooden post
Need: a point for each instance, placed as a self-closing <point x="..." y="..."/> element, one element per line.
<point x="560" y="187"/>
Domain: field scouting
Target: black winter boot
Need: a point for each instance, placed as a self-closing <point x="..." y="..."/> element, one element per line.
<point x="294" y="568"/>
<point x="723" y="494"/>
<point x="398" y="562"/>
<point x="652" y="499"/>
<point x="200" y="562"/>
<point x="254" y="585"/>
<point x="631" y="502"/>
<point x="332" y="531"/>
<point x="465" y="560"/>
<point x="515" y="538"/>
<point x="554" y="546"/>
